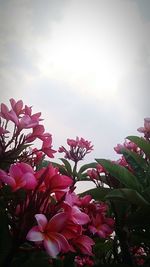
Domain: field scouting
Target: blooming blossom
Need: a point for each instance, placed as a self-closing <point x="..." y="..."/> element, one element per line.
<point x="78" y="149"/>
<point x="84" y="244"/>
<point x="54" y="181"/>
<point x="146" y="128"/>
<point x="101" y="225"/>
<point x="20" y="175"/>
<point x="49" y="233"/>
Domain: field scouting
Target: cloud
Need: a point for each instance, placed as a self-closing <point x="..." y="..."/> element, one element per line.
<point x="84" y="64"/>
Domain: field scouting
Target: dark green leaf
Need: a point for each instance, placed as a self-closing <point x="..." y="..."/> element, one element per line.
<point x="98" y="193"/>
<point x="129" y="195"/>
<point x="87" y="166"/>
<point x="121" y="174"/>
<point x="67" y="165"/>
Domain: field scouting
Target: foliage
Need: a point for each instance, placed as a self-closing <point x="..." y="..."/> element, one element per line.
<point x="43" y="222"/>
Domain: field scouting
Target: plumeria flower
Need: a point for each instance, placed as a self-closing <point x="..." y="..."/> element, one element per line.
<point x="101" y="225"/>
<point x="21" y="175"/>
<point x="78" y="149"/>
<point x="84" y="244"/>
<point x="146" y="128"/>
<point x="49" y="233"/>
<point x="54" y="181"/>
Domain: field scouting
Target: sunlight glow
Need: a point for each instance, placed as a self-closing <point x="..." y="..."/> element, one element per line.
<point x="87" y="64"/>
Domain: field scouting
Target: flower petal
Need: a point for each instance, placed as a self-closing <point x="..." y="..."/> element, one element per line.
<point x="52" y="247"/>
<point x="58" y="222"/>
<point x="35" y="235"/>
<point x="41" y="220"/>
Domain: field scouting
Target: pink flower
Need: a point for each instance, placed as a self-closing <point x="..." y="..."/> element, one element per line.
<point x="93" y="174"/>
<point x="47" y="145"/>
<point x="118" y="148"/>
<point x="37" y="132"/>
<point x="21" y="175"/>
<point x="54" y="181"/>
<point x="8" y="115"/>
<point x="78" y="149"/>
<point x="84" y="243"/>
<point x="16" y="106"/>
<point x="49" y="233"/>
<point x="101" y="225"/>
<point x="27" y="122"/>
<point x="146" y="128"/>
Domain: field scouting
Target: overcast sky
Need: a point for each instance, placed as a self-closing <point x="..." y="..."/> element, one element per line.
<point x="85" y="64"/>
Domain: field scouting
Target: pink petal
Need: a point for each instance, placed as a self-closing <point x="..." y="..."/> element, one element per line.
<point x="13" y="117"/>
<point x="8" y="180"/>
<point x="25" y="167"/>
<point x="141" y="130"/>
<point x="30" y="180"/>
<point x="41" y="220"/>
<point x="52" y="247"/>
<point x="38" y="130"/>
<point x="60" y="182"/>
<point x="58" y="222"/>
<point x="15" y="170"/>
<point x="4" y="111"/>
<point x="49" y="152"/>
<point x="79" y="217"/>
<point x="63" y="243"/>
<point x="35" y="235"/>
<point x="12" y="102"/>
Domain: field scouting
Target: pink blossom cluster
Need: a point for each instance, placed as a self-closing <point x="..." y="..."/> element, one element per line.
<point x="127" y="144"/>
<point x="41" y="206"/>
<point x="58" y="221"/>
<point x="95" y="174"/>
<point x="146" y="128"/>
<point x="17" y="120"/>
<point x="78" y="148"/>
<point x="65" y="222"/>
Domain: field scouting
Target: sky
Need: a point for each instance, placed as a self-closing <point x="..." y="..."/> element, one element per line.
<point x="85" y="64"/>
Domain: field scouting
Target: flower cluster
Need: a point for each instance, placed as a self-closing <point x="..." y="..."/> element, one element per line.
<point x="38" y="201"/>
<point x="78" y="148"/>
<point x="18" y="128"/>
<point x="146" y="128"/>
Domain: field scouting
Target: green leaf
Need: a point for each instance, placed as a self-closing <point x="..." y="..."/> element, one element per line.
<point x="136" y="160"/>
<point x="98" y="193"/>
<point x="141" y="143"/>
<point x="87" y="166"/>
<point x="121" y="174"/>
<point x="129" y="195"/>
<point x="67" y="165"/>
